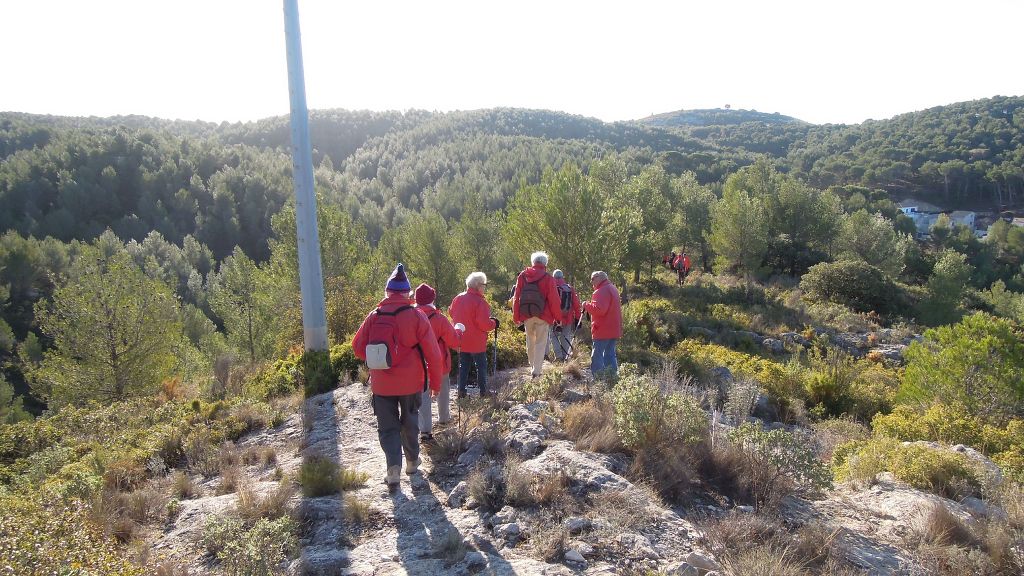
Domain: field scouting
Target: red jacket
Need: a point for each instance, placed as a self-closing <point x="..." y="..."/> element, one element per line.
<point x="407" y="376"/>
<point x="472" y="309"/>
<point x="686" y="263"/>
<point x="605" y="312"/>
<point x="552" y="307"/>
<point x="677" y="264"/>
<point x="573" y="315"/>
<point x="447" y="337"/>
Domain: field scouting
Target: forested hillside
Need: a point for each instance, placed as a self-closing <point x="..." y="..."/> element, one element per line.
<point x="148" y="284"/>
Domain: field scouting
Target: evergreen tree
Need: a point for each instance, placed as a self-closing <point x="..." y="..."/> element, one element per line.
<point x="739" y="233"/>
<point x="873" y="239"/>
<point x="113" y="330"/>
<point x="235" y="297"/>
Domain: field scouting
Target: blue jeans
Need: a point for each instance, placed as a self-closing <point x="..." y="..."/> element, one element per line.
<point x="603" y="356"/>
<point x="478" y="358"/>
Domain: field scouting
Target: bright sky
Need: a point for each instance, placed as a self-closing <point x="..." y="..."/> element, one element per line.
<point x="820" y="61"/>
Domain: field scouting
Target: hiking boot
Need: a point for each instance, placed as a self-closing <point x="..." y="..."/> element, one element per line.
<point x="412" y="466"/>
<point x="426" y="438"/>
<point x="393" y="477"/>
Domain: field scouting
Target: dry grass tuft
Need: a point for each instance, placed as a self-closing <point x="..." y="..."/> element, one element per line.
<point x="625" y="510"/>
<point x="668" y="468"/>
<point x="356" y="510"/>
<point x="350" y="479"/>
<point x="182" y="486"/>
<point x="548" y="540"/>
<point x="448" y="445"/>
<point x="252" y="506"/>
<point x="450" y="547"/>
<point x="591" y="425"/>
<point x="229" y="481"/>
<point x="942" y="527"/>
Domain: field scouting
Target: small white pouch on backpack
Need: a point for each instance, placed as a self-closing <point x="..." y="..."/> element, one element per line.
<point x="378" y="357"/>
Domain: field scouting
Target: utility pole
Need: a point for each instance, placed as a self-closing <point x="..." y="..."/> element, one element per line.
<point x="311" y="277"/>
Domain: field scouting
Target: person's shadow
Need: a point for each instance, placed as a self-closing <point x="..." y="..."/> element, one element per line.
<point x="428" y="543"/>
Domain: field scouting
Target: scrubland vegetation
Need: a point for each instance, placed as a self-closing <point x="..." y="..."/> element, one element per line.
<point x="151" y="320"/>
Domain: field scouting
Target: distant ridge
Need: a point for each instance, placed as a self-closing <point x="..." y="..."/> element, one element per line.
<point x="716" y="117"/>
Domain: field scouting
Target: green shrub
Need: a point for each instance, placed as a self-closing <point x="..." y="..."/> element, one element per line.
<point x="319" y="476"/>
<point x="52" y="537"/>
<point x="218" y="531"/>
<point x="652" y="322"/>
<point x="645" y="416"/>
<point x="511" y="349"/>
<point x="549" y="386"/>
<point x="941" y="422"/>
<point x="270" y="381"/>
<point x="777" y="457"/>
<point x="978" y="363"/>
<point x="318" y="374"/>
<point x="344" y="361"/>
<point x="852" y="283"/>
<point x="937" y="470"/>
<point x="1012" y="463"/>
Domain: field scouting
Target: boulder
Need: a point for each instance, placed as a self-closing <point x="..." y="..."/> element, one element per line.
<point x="702" y="561"/>
<point x="457" y="497"/>
<point x="774" y="346"/>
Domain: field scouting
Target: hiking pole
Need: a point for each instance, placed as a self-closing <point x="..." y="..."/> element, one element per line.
<point x="495" y="349"/>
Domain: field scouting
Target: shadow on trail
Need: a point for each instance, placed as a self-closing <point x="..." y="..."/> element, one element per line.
<point x="321" y="516"/>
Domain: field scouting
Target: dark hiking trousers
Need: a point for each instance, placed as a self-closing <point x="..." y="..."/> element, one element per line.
<point x="398" y="426"/>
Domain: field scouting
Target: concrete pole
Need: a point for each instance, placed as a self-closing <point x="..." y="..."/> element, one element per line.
<point x="311" y="277"/>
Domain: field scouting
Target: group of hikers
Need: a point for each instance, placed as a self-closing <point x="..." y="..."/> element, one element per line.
<point x="680" y="263"/>
<point x="406" y="342"/>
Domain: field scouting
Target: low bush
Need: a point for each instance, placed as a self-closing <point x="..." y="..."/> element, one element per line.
<point x="49" y="537"/>
<point x="644" y="416"/>
<point x="937" y="470"/>
<point x="344" y="361"/>
<point x="776" y="462"/>
<point x="652" y="322"/>
<point x="350" y="478"/>
<point x="319" y="476"/>
<point x="259" y="550"/>
<point x="218" y="531"/>
<point x="318" y="373"/>
<point x="852" y="283"/>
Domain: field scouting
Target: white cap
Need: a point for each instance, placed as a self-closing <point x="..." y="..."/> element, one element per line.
<point x="460" y="326"/>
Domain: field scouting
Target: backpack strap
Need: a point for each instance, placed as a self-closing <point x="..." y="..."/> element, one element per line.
<point x="432" y="314"/>
<point x="395" y="313"/>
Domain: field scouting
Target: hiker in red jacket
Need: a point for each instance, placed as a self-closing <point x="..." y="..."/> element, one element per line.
<point x="536" y="306"/>
<point x="677" y="265"/>
<point x="605" y="311"/>
<point x="400" y="349"/>
<point x="686" y="266"/>
<point x="471" y="309"/>
<point x="447" y="338"/>
<point x="571" y="311"/>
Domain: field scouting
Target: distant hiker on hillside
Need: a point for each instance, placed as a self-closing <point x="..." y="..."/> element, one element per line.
<point x="569" y="306"/>
<point x="447" y="338"/>
<point x="686" y="266"/>
<point x="471" y="309"/>
<point x="679" y="265"/>
<point x="670" y="263"/>
<point x="605" y="310"/>
<point x="536" y="305"/>
<point x="666" y="260"/>
<point x="400" y="349"/>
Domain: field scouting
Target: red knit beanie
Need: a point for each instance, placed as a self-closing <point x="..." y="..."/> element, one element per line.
<point x="425" y="295"/>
